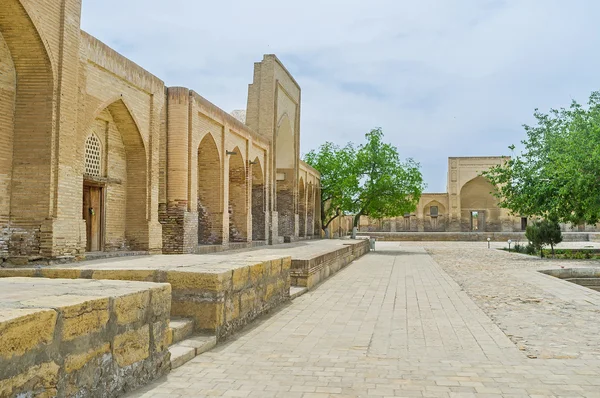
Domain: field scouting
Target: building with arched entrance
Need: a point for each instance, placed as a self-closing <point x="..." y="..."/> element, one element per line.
<point x="468" y="205"/>
<point x="98" y="155"/>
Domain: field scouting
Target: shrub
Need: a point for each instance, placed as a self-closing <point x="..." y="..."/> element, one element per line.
<point x="529" y="249"/>
<point x="542" y="233"/>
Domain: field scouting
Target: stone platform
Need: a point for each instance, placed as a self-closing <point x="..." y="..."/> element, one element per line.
<point x="81" y="337"/>
<point x="470" y="236"/>
<point x="313" y="261"/>
<point x="221" y="293"/>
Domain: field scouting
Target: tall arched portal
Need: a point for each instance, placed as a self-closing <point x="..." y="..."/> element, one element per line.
<point x="478" y="207"/>
<point x="115" y="193"/>
<point x="301" y="208"/>
<point x="238" y="212"/>
<point x="210" y="215"/>
<point x="258" y="202"/>
<point x="286" y="177"/>
<point x="26" y="131"/>
<point x="310" y="212"/>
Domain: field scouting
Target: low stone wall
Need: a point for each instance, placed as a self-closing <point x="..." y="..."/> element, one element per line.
<point x="309" y="272"/>
<point x="465" y="236"/>
<point x="223" y="302"/>
<point x="219" y="300"/>
<point x="81" y="338"/>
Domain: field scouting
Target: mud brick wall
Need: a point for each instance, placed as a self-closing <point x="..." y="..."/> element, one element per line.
<point x="84" y="344"/>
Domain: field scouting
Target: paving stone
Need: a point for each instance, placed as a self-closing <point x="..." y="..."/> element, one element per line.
<point x="416" y="319"/>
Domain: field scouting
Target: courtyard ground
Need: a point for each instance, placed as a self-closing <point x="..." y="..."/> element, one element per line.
<point x="422" y="319"/>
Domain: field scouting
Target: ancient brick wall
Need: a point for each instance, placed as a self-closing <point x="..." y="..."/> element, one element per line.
<point x="60" y="86"/>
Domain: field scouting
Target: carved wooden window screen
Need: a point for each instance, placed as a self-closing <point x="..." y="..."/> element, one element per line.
<point x="93" y="156"/>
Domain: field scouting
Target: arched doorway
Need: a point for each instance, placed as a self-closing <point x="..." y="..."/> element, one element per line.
<point x="301" y="208"/>
<point x="434" y="217"/>
<point x="238" y="212"/>
<point x="478" y="207"/>
<point x="115" y="182"/>
<point x="285" y="164"/>
<point x="258" y="201"/>
<point x="310" y="213"/>
<point x="210" y="215"/>
<point x="26" y="129"/>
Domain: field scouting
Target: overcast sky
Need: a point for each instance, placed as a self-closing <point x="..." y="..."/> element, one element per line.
<point x="442" y="78"/>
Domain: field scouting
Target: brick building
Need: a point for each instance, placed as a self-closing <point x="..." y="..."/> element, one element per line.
<point x="96" y="154"/>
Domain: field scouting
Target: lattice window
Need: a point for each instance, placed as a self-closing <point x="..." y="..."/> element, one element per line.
<point x="93" y="156"/>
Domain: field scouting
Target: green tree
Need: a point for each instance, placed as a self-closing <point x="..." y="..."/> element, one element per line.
<point x="387" y="187"/>
<point x="338" y="179"/>
<point x="370" y="180"/>
<point x="557" y="175"/>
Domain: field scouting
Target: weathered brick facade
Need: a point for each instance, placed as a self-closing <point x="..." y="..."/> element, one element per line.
<point x="97" y="154"/>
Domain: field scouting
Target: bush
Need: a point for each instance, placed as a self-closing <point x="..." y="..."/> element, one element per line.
<point x="542" y="233"/>
<point x="529" y="249"/>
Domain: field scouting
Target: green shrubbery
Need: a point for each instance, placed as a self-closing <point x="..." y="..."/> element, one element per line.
<point x="543" y="233"/>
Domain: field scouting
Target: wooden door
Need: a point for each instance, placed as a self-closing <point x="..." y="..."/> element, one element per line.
<point x="92" y="214"/>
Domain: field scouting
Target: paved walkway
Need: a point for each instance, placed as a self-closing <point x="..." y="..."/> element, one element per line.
<point x="391" y="324"/>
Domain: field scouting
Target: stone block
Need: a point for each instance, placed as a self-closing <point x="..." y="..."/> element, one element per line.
<point x="232" y="308"/>
<point x="39" y="381"/>
<point x="54" y="273"/>
<point x="286" y="264"/>
<point x="276" y="266"/>
<point x="257" y="273"/>
<point x="132" y="346"/>
<point x="214" y="282"/>
<point x="240" y="278"/>
<point x="15" y="272"/>
<point x="207" y="315"/>
<point x="141" y="275"/>
<point x="131" y="308"/>
<point x="248" y="301"/>
<point x="77" y="361"/>
<point x="162" y="335"/>
<point x="160" y="302"/>
<point x="24" y="329"/>
<point x="84" y="318"/>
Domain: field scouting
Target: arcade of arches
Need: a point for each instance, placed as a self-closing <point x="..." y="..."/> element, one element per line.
<point x="96" y="154"/>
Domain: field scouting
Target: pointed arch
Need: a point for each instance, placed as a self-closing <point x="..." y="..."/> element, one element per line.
<point x="124" y="209"/>
<point x="479" y="208"/>
<point x="238" y="208"/>
<point x="434" y="220"/>
<point x="284" y="142"/>
<point x="258" y="201"/>
<point x="27" y="106"/>
<point x="210" y="192"/>
<point x="310" y="211"/>
<point x="301" y="208"/>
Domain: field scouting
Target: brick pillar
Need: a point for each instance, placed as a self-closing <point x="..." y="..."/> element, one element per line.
<point x="179" y="227"/>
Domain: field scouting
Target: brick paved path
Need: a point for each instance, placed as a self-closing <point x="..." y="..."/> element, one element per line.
<point x="391" y="324"/>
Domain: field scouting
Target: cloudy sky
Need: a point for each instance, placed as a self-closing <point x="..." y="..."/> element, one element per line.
<point x="442" y="78"/>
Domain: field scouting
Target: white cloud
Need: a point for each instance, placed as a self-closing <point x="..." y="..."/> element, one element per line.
<point x="442" y="78"/>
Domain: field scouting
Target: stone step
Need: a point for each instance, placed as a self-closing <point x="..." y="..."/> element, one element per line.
<point x="296" y="291"/>
<point x="180" y="329"/>
<point x="188" y="349"/>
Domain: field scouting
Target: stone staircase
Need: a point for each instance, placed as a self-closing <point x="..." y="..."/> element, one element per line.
<point x="185" y="345"/>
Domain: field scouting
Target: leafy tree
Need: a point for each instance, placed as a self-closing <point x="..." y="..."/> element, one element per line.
<point x="542" y="233"/>
<point x="387" y="187"/>
<point x="338" y="179"/>
<point x="370" y="180"/>
<point x="557" y="175"/>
